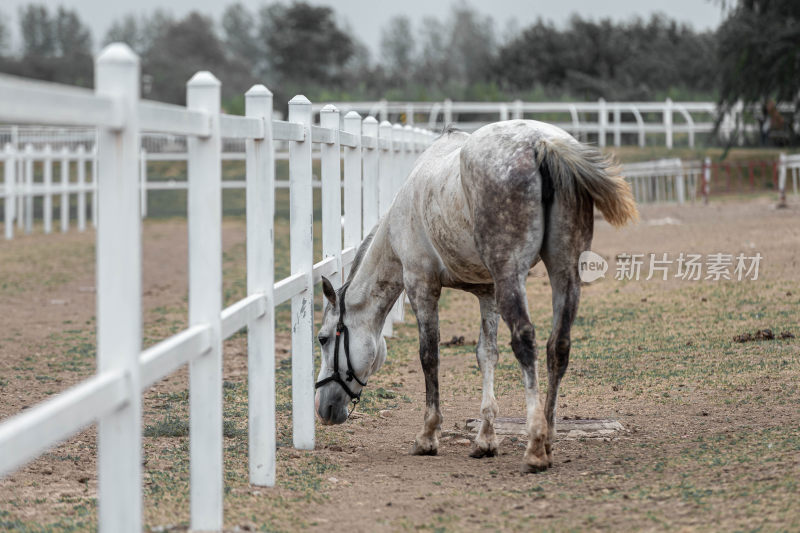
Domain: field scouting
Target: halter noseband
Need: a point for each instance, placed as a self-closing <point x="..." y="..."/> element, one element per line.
<point x="335" y="377"/>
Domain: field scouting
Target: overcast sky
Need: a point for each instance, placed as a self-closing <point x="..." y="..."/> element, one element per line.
<point x="366" y="17"/>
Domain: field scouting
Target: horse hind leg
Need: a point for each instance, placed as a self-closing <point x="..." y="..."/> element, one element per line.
<point x="513" y="305"/>
<point x="565" y="305"/>
<point x="569" y="233"/>
<point x="485" y="444"/>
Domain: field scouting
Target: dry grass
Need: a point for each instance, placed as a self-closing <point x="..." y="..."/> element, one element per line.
<point x="714" y="425"/>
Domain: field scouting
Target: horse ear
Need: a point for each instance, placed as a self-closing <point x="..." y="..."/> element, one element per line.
<point x="327" y="290"/>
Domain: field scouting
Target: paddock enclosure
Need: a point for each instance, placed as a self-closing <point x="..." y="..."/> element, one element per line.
<point x="711" y="426"/>
<point x="112" y="397"/>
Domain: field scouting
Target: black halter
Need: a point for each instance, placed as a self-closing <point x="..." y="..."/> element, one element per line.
<point x="341" y="331"/>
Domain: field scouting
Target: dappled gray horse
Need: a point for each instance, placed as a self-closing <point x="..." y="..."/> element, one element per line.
<point x="476" y="213"/>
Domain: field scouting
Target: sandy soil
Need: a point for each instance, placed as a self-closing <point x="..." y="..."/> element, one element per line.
<point x="713" y="426"/>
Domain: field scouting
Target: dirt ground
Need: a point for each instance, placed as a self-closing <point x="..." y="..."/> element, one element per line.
<point x="712" y="440"/>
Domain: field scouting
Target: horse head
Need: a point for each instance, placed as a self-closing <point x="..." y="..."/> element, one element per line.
<point x="351" y="353"/>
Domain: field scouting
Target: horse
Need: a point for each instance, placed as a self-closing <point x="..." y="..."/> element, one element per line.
<point x="476" y="213"/>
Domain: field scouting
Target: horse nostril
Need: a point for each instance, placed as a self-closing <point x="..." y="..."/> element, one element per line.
<point x="329" y="415"/>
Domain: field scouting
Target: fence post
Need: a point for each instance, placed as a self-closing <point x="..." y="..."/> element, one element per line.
<point x="20" y="172"/>
<point x="782" y="180"/>
<point x="29" y="188"/>
<point x="119" y="294"/>
<point x="352" y="184"/>
<point x="47" y="186"/>
<point x="447" y="113"/>
<point x="680" y="184"/>
<point x="398" y="159"/>
<point x="503" y="111"/>
<point x="330" y="170"/>
<point x="386" y="181"/>
<point x="617" y="125"/>
<point x="668" y="122"/>
<point x="10" y="178"/>
<point x="143" y="182"/>
<point x="517" y="114"/>
<point x="706" y="179"/>
<point x="204" y="206"/>
<point x="301" y="223"/>
<point x="64" y="189"/>
<point x="602" y="122"/>
<point x="93" y="211"/>
<point x="371" y="175"/>
<point x="408" y="161"/>
<point x="81" y="188"/>
<point x="260" y="198"/>
<point x="386" y="168"/>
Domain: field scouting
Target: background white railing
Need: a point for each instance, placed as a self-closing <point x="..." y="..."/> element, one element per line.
<point x="624" y="122"/>
<point x="788" y="167"/>
<point x="668" y="180"/>
<point x="376" y="160"/>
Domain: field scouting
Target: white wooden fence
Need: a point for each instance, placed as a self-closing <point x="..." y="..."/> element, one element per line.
<point x="376" y="160"/>
<point x="788" y="168"/>
<point x="598" y="119"/>
<point x="668" y="180"/>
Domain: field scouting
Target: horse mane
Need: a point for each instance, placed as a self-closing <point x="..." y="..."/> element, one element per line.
<point x="448" y="129"/>
<point x="362" y="251"/>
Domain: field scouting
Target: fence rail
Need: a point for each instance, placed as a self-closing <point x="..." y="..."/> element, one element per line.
<point x="67" y="174"/>
<point x="623" y="122"/>
<point x="376" y="160"/>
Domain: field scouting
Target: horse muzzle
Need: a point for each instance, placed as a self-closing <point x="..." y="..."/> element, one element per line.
<point x="331" y="404"/>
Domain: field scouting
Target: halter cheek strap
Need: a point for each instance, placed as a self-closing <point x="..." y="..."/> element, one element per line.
<point x="343" y="333"/>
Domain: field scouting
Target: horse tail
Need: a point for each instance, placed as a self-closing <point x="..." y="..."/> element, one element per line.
<point x="578" y="170"/>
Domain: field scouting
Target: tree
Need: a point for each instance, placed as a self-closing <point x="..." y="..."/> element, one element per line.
<point x="239" y="32"/>
<point x="471" y="44"/>
<point x="304" y="44"/>
<point x="138" y="32"/>
<point x="36" y="30"/>
<point x="434" y="67"/>
<point x="180" y="49"/>
<point x="629" y="60"/>
<point x="759" y="53"/>
<point x="397" y="47"/>
<point x="4" y="36"/>
<point x="55" y="48"/>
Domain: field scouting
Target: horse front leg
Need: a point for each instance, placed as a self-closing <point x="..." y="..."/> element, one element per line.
<point x="485" y="444"/>
<point x="425" y="302"/>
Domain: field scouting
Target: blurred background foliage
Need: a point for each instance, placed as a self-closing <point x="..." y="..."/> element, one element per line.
<point x="300" y="48"/>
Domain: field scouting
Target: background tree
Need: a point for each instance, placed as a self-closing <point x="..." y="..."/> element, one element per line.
<point x="5" y="36"/>
<point x="397" y="49"/>
<point x="305" y="45"/>
<point x="759" y="53"/>
<point x="181" y="48"/>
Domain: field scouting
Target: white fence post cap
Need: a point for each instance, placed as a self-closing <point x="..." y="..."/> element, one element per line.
<point x="370" y="120"/>
<point x="258" y="90"/>
<point x="352" y="114"/>
<point x="203" y="78"/>
<point x="329" y="108"/>
<point x="118" y="53"/>
<point x="386" y="124"/>
<point x="299" y="100"/>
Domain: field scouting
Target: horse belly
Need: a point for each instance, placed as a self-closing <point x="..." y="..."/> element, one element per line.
<point x="448" y="224"/>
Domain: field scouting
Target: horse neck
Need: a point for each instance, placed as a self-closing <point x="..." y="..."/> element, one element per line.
<point x="377" y="282"/>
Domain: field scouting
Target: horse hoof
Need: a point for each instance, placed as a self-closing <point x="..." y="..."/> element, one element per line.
<point x="478" y="453"/>
<point x="418" y="449"/>
<point x="533" y="469"/>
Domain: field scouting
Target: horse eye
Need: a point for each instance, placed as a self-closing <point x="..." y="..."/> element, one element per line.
<point x="322" y="340"/>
